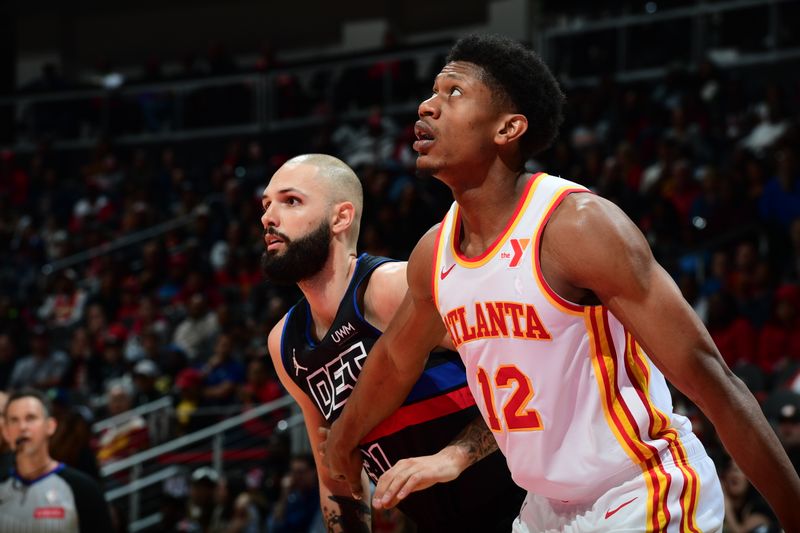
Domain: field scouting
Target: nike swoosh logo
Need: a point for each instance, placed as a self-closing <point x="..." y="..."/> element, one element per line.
<point x="611" y="513"/>
<point x="443" y="274"/>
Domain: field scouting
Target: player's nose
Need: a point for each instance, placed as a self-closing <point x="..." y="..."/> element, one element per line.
<point x="269" y="218"/>
<point x="428" y="107"/>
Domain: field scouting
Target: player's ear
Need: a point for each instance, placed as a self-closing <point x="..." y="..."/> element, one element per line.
<point x="512" y="127"/>
<point x="51" y="426"/>
<point x="344" y="214"/>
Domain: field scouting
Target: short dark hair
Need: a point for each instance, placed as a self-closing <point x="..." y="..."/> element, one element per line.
<point x="519" y="77"/>
<point x="30" y="393"/>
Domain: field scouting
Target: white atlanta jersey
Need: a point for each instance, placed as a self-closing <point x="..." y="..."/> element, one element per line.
<point x="575" y="404"/>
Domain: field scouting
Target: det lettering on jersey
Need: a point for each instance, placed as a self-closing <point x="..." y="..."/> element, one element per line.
<point x="42" y="513"/>
<point x="330" y="386"/>
<point x="375" y="459"/>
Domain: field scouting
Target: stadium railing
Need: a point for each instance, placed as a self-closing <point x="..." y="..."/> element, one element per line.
<point x="573" y="46"/>
<point x="135" y="483"/>
<point x="250" y="104"/>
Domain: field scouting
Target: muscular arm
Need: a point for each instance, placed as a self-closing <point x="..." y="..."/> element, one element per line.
<point x="394" y="364"/>
<point x="418" y="473"/>
<point x="341" y="512"/>
<point x="621" y="271"/>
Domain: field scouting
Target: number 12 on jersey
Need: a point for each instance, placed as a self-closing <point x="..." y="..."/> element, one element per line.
<point x="517" y="418"/>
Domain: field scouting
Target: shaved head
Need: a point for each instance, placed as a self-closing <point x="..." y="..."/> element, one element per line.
<point x="341" y="184"/>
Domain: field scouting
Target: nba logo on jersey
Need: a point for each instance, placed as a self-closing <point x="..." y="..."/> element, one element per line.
<point x="515" y="254"/>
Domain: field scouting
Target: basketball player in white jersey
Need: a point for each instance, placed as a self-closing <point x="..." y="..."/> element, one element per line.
<point x="566" y="324"/>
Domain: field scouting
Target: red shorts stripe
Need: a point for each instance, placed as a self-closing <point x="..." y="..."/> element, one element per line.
<point x="420" y="412"/>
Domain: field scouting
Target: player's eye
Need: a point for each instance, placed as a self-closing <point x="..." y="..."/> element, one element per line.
<point x="455" y="91"/>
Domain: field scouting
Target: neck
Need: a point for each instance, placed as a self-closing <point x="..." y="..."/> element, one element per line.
<point x="324" y="291"/>
<point x="34" y="466"/>
<point x="485" y="209"/>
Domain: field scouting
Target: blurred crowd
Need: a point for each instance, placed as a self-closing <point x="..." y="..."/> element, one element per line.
<point x="171" y="302"/>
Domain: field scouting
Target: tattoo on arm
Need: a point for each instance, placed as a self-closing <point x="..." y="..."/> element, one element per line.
<point x="347" y="515"/>
<point x="476" y="440"/>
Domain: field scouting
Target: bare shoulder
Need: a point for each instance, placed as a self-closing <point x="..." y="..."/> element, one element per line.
<point x="389" y="273"/>
<point x="594" y="243"/>
<point x="386" y="288"/>
<point x="420" y="264"/>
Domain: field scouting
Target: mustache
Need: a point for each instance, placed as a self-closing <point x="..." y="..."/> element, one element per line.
<point x="273" y="231"/>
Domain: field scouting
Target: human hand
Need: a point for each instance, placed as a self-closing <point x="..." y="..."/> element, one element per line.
<point x="412" y="475"/>
<point x="342" y="459"/>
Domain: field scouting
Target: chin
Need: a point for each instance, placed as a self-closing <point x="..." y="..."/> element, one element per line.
<point x="424" y="168"/>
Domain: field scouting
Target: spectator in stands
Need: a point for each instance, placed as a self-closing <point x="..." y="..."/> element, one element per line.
<point x="64" y="307"/>
<point x="235" y="511"/>
<point x="223" y="373"/>
<point x="733" y="334"/>
<point x="146" y="386"/>
<point x="368" y="143"/>
<point x="196" y="334"/>
<point x="189" y="386"/>
<point x="262" y="385"/>
<point x="71" y="443"/>
<point x="43" y="368"/>
<point x="7" y="359"/>
<point x="84" y="367"/>
<point x="791" y="262"/>
<point x="297" y="508"/>
<point x="779" y="341"/>
<point x="745" y="510"/>
<point x="96" y="324"/>
<point x="789" y="430"/>
<point x="780" y="202"/>
<point x="147" y="319"/>
<point x="94" y="206"/>
<point x="202" y="491"/>
<point x="11" y="321"/>
<point x="113" y="364"/>
<point x="127" y="437"/>
<point x="771" y="126"/>
<point x="6" y="458"/>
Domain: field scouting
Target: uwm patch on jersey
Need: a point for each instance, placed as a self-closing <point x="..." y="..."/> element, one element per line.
<point x="331" y="384"/>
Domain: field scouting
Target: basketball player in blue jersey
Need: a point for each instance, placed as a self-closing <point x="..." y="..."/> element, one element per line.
<point x="566" y="324"/>
<point x="312" y="211"/>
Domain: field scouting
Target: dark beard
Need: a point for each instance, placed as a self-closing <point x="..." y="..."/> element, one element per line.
<point x="302" y="258"/>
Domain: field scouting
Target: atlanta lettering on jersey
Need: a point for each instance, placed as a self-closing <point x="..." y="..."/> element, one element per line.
<point x="492" y="320"/>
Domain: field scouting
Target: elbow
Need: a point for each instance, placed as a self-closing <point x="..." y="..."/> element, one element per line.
<point x="712" y="385"/>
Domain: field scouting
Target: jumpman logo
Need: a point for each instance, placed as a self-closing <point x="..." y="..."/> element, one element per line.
<point x="297" y="367"/>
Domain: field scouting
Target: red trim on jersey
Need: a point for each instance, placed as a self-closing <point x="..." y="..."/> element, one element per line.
<point x="609" y="394"/>
<point x="659" y="499"/>
<point x="537" y="252"/>
<point x="421" y="412"/>
<point x="435" y="263"/>
<point x="498" y="240"/>
<point x="691" y="483"/>
<point x="664" y="432"/>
